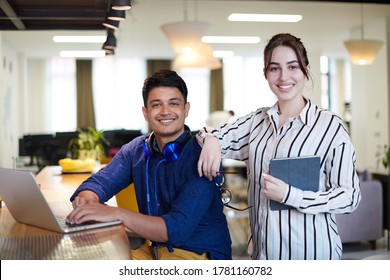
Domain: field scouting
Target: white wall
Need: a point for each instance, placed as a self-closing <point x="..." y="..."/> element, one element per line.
<point x="9" y="105"/>
<point x="35" y="96"/>
<point x="370" y="110"/>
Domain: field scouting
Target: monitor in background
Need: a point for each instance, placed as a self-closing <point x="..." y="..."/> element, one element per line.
<point x="119" y="137"/>
<point x="31" y="144"/>
<point x="63" y="139"/>
<point x="127" y="135"/>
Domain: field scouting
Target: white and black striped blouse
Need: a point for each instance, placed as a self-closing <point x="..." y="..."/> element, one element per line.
<point x="309" y="230"/>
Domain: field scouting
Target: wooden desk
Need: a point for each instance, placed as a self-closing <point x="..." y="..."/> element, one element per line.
<point x="20" y="241"/>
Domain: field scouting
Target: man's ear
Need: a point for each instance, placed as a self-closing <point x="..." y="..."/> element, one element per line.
<point x="187" y="108"/>
<point x="145" y="113"/>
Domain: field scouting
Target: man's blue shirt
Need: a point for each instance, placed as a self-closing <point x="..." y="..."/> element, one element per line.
<point x="190" y="205"/>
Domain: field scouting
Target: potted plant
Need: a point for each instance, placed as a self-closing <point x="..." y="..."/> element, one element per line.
<point x="88" y="145"/>
<point x="383" y="156"/>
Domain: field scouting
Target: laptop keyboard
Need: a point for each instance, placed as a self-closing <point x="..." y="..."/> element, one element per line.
<point x="64" y="224"/>
<point x="75" y="246"/>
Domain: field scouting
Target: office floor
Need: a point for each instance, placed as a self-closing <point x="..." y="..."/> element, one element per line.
<point x="352" y="251"/>
<point x="362" y="250"/>
<point x="239" y="226"/>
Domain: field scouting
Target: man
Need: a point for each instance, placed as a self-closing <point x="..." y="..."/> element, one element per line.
<point x="180" y="212"/>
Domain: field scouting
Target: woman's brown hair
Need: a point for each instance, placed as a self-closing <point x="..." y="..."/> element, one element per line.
<point x="287" y="40"/>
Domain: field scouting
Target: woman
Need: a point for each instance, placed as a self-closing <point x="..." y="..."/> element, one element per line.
<point x="293" y="127"/>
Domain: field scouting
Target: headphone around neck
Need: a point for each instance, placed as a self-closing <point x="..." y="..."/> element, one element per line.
<point x="171" y="150"/>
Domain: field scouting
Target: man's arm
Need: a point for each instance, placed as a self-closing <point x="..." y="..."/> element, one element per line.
<point x="148" y="227"/>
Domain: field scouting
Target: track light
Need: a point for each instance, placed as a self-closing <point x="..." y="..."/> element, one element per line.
<point x="121" y="4"/>
<point x="117" y="14"/>
<point x="110" y="43"/>
<point x="109" y="23"/>
<point x="110" y="51"/>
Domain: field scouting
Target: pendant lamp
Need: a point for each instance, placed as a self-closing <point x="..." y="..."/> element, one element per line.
<point x="199" y="57"/>
<point x="185" y="35"/>
<point x="363" y="51"/>
<point x="185" y="38"/>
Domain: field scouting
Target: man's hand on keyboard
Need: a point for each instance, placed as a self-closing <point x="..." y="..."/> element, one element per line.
<point x="85" y="197"/>
<point x="94" y="212"/>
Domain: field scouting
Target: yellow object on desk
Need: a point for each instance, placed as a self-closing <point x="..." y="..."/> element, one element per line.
<point x="77" y="165"/>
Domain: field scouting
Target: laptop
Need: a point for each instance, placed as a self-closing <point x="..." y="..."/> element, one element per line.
<point x="27" y="204"/>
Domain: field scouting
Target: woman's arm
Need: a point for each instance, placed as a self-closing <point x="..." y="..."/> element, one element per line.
<point x="342" y="187"/>
<point x="210" y="157"/>
<point x="230" y="141"/>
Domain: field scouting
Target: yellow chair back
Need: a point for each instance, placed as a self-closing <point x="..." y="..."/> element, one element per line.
<point x="126" y="198"/>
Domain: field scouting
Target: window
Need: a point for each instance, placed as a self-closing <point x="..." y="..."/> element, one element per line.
<point x="117" y="93"/>
<point x="117" y="89"/>
<point x="198" y="85"/>
<point x="245" y="87"/>
<point x="325" y="93"/>
<point x="60" y="95"/>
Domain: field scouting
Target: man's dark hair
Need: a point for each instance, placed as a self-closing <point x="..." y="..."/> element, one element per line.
<point x="164" y="78"/>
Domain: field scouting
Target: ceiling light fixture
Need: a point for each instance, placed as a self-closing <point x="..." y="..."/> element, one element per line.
<point x="83" y="54"/>
<point x="110" y="43"/>
<point x="362" y="51"/>
<point x="231" y="39"/>
<point x="201" y="56"/>
<point x="117" y="14"/>
<point x="79" y="39"/>
<point x="113" y="24"/>
<point x="185" y="35"/>
<point x="109" y="51"/>
<point x="121" y="4"/>
<point x="264" y="17"/>
<point x="186" y="40"/>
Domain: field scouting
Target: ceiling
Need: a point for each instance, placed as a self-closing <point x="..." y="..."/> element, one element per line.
<point x="28" y="25"/>
<point x="52" y="14"/>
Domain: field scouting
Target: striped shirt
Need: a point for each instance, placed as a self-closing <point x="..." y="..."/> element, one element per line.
<point x="309" y="230"/>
